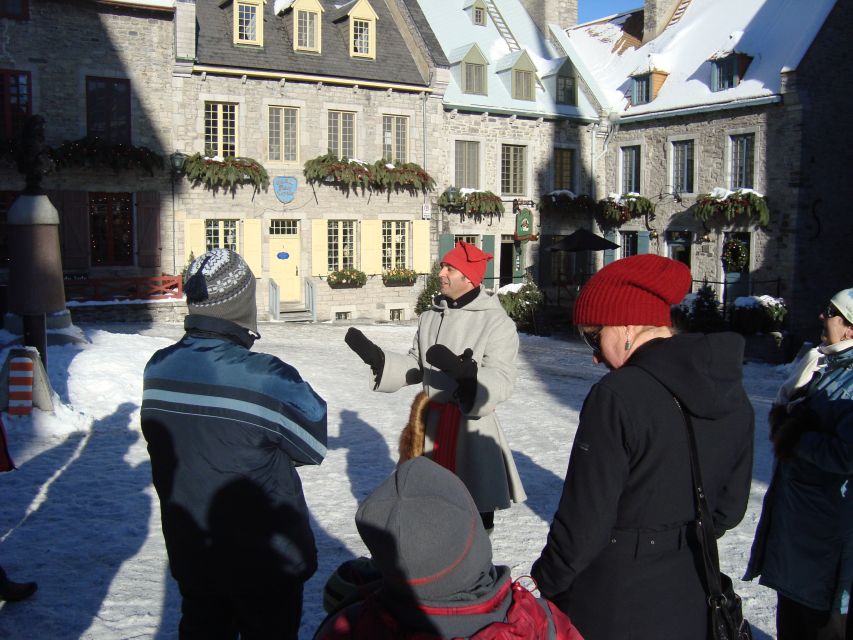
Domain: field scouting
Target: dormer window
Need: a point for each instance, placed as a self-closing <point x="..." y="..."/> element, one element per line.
<point x="566" y="90"/>
<point x="641" y="89"/>
<point x="727" y="72"/>
<point x="362" y="30"/>
<point x="479" y="16"/>
<point x="249" y="22"/>
<point x="523" y="84"/>
<point x="475" y="78"/>
<point x="307" y="26"/>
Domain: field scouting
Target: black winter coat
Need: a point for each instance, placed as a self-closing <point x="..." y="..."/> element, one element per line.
<point x="621" y="553"/>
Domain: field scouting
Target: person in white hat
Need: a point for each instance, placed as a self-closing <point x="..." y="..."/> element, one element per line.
<point x="803" y="545"/>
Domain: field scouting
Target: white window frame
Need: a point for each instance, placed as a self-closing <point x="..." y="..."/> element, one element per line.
<point x="223" y="226"/>
<point x="257" y="8"/>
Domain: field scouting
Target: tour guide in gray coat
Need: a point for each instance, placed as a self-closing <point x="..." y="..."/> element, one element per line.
<point x="464" y="356"/>
<point x="622" y="557"/>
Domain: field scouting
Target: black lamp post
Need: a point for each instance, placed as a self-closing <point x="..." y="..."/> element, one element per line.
<point x="176" y="162"/>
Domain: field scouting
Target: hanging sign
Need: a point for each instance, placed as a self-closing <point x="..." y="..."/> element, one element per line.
<point x="524" y="226"/>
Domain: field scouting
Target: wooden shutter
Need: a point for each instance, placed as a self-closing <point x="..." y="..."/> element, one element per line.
<point x="319" y="248"/>
<point x="194" y="245"/>
<point x="73" y="208"/>
<point x="371" y="247"/>
<point x="642" y="242"/>
<point x="445" y="244"/>
<point x="420" y="246"/>
<point x="610" y="254"/>
<point x="489" y="247"/>
<point x="252" y="232"/>
<point x="148" y="247"/>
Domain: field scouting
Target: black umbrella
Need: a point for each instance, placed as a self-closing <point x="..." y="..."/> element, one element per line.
<point x="583" y="240"/>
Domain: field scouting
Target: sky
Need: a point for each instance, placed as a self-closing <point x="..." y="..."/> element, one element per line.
<point x="81" y="517"/>
<point x="593" y="9"/>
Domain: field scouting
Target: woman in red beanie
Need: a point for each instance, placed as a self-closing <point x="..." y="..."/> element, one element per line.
<point x="621" y="557"/>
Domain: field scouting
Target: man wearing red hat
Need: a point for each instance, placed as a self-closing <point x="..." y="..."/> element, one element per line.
<point x="464" y="356"/>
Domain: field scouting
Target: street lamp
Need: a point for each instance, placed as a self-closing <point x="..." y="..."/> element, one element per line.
<point x="176" y="162"/>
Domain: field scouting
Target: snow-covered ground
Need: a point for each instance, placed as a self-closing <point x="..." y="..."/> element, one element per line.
<point x="81" y="517"/>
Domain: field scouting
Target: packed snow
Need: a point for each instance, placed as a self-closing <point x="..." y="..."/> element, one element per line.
<point x="81" y="517"/>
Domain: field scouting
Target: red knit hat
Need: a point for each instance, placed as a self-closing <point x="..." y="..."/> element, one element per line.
<point x="469" y="260"/>
<point x="638" y="290"/>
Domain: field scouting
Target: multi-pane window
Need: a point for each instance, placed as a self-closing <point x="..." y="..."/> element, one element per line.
<point x="628" y="243"/>
<point x="395" y="138"/>
<point x="475" y="78"/>
<point x="360" y="37"/>
<point x="306" y="30"/>
<point x="108" y="109"/>
<point x="248" y="23"/>
<point x="564" y="169"/>
<point x="513" y="169"/>
<point x="342" y="133"/>
<point x="111" y="228"/>
<point x="682" y="166"/>
<point x="15" y="101"/>
<point x="284" y="134"/>
<point x="630" y="169"/>
<point x="679" y="243"/>
<point x="479" y="16"/>
<point x="281" y="227"/>
<point x="743" y="161"/>
<point x="220" y="234"/>
<point x="566" y="90"/>
<point x="220" y="129"/>
<point x="472" y="240"/>
<point x="340" y="244"/>
<point x="522" y="85"/>
<point x="727" y="72"/>
<point x="394" y="244"/>
<point x="467" y="169"/>
<point x="18" y="9"/>
<point x="641" y="89"/>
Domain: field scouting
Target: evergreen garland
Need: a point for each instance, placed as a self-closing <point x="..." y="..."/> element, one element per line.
<point x="381" y="176"/>
<point x="735" y="255"/>
<point x="472" y="202"/>
<point x="227" y="174"/>
<point x="748" y="203"/>
<point x="615" y="212"/>
<point x="97" y="154"/>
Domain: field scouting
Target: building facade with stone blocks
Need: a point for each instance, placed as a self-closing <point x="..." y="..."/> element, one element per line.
<point x="101" y="78"/>
<point x="726" y="116"/>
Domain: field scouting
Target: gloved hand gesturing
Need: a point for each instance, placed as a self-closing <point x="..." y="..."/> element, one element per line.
<point x="459" y="367"/>
<point x="366" y="350"/>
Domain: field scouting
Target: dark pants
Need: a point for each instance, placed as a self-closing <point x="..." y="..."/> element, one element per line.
<point x="264" y="615"/>
<point x="795" y="621"/>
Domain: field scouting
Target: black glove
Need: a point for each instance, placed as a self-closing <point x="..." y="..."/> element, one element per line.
<point x="778" y="414"/>
<point x="366" y="350"/>
<point x="461" y="368"/>
<point x="787" y="434"/>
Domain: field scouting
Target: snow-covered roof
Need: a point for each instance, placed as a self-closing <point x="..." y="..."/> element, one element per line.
<point x="456" y="33"/>
<point x="143" y="4"/>
<point x="775" y="33"/>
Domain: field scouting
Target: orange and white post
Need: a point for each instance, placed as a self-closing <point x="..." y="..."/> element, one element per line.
<point x="20" y="386"/>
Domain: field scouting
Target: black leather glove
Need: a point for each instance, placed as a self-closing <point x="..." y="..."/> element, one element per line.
<point x="787" y="434"/>
<point x="778" y="414"/>
<point x="461" y="368"/>
<point x="366" y="350"/>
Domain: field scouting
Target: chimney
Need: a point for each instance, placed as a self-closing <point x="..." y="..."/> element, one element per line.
<point x="656" y="15"/>
<point x="544" y="12"/>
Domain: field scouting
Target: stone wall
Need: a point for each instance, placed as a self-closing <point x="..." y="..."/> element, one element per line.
<point x="173" y="311"/>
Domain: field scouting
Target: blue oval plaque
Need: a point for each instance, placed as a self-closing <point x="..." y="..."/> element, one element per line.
<point x="282" y="255"/>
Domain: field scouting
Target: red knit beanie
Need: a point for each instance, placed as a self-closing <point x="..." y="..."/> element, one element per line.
<point x="469" y="260"/>
<point x="637" y="290"/>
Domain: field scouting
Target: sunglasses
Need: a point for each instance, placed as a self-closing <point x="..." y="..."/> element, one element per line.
<point x="593" y="339"/>
<point x="831" y="311"/>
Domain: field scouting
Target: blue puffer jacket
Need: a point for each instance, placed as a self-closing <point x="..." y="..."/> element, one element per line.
<point x="804" y="542"/>
<point x="225" y="428"/>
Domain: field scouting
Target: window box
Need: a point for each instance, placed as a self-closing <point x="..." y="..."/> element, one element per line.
<point x="347" y="278"/>
<point x="399" y="277"/>
<point x="725" y="205"/>
<point x="470" y="201"/>
<point x="381" y="176"/>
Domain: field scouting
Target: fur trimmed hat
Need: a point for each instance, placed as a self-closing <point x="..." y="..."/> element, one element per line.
<point x="424" y="532"/>
<point x="469" y="260"/>
<point x="638" y="290"/>
<point x="220" y="284"/>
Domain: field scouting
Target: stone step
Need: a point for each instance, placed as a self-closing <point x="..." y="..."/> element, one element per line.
<point x="295" y="315"/>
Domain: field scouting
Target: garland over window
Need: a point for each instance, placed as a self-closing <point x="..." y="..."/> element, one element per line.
<point x="471" y="201"/>
<point x="727" y="205"/>
<point x="95" y="153"/>
<point x="565" y="201"/>
<point x="228" y="173"/>
<point x="615" y="210"/>
<point x="381" y="176"/>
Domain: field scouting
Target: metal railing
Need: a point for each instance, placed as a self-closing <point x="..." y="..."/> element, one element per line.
<point x="275" y="300"/>
<point x="310" y="298"/>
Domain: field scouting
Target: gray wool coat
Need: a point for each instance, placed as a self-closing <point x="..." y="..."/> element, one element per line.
<point x="483" y="457"/>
